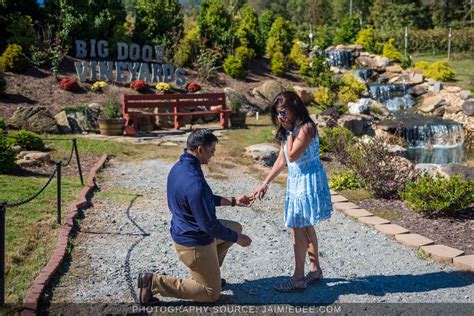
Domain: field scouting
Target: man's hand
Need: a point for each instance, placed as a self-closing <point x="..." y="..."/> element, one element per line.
<point x="245" y="200"/>
<point x="243" y="240"/>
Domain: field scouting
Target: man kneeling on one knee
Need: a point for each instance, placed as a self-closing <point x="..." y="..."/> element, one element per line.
<point x="201" y="240"/>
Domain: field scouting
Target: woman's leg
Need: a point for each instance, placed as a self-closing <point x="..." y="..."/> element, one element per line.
<point x="312" y="241"/>
<point x="299" y="246"/>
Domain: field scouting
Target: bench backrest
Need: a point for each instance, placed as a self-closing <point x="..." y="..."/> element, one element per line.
<point x="134" y="101"/>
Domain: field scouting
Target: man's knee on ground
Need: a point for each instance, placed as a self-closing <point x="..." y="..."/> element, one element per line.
<point x="213" y="294"/>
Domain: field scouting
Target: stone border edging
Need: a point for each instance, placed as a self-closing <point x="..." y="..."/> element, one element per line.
<point x="440" y="253"/>
<point x="33" y="294"/>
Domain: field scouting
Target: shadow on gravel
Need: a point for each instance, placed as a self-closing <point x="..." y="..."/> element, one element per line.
<point x="330" y="290"/>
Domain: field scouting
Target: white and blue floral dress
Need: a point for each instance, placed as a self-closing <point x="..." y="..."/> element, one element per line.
<point x="308" y="200"/>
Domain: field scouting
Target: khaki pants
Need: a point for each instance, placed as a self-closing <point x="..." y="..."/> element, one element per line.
<point x="204" y="264"/>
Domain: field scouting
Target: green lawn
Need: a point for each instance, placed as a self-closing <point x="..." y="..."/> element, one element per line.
<point x="463" y="67"/>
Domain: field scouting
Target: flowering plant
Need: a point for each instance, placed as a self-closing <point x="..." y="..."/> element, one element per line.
<point x="68" y="84"/>
<point x="98" y="86"/>
<point x="163" y="87"/>
<point x="192" y="87"/>
<point x="138" y="85"/>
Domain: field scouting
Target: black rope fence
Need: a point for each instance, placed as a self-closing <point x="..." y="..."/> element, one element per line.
<point x="4" y="205"/>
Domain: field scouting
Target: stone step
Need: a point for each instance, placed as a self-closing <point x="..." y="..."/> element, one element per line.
<point x="373" y="220"/>
<point x="357" y="212"/>
<point x="442" y="253"/>
<point x="464" y="262"/>
<point x="344" y="206"/>
<point x="338" y="199"/>
<point x="413" y="240"/>
<point x="391" y="229"/>
<point x="333" y="192"/>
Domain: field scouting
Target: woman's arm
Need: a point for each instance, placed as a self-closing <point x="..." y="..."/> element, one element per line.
<point x="278" y="166"/>
<point x="296" y="145"/>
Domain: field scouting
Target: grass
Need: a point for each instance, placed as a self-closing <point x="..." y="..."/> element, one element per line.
<point x="31" y="229"/>
<point x="462" y="65"/>
<point x="356" y="195"/>
<point x="389" y="215"/>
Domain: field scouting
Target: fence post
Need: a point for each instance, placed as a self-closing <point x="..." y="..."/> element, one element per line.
<point x="449" y="43"/>
<point x="74" y="143"/>
<point x="406" y="40"/>
<point x="58" y="175"/>
<point x="3" y="208"/>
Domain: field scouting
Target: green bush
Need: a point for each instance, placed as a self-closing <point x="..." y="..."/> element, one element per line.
<point x="345" y="179"/>
<point x="298" y="54"/>
<point x="280" y="37"/>
<point x="278" y="64"/>
<point x="233" y="67"/>
<point x="245" y="55"/>
<point x="324" y="97"/>
<point x="324" y="37"/>
<point x="350" y="88"/>
<point x="7" y="155"/>
<point x="390" y="51"/>
<point x="40" y="57"/>
<point x="26" y="140"/>
<point x="319" y="74"/>
<point x="188" y="48"/>
<point x="247" y="30"/>
<point x="346" y="95"/>
<point x="423" y="65"/>
<point x="13" y="59"/>
<point x="405" y="61"/>
<point x="20" y="31"/>
<point x="439" y="70"/>
<point x="3" y="124"/>
<point x="214" y="24"/>
<point x="438" y="195"/>
<point x="347" y="30"/>
<point x="265" y="21"/>
<point x="366" y="38"/>
<point x="3" y="83"/>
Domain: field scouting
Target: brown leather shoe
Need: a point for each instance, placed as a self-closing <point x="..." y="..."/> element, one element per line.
<point x="146" y="296"/>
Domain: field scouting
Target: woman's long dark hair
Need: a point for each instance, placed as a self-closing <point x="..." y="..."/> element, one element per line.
<point x="293" y="102"/>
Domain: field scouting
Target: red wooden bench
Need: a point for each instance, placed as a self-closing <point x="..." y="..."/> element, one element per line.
<point x="131" y="105"/>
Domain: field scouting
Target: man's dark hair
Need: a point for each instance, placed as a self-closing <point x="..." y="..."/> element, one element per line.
<point x="200" y="137"/>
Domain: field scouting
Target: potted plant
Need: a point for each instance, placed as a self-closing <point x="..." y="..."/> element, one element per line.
<point x="237" y="118"/>
<point x="111" y="122"/>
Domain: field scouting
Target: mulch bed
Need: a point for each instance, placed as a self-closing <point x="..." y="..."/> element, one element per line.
<point x="453" y="231"/>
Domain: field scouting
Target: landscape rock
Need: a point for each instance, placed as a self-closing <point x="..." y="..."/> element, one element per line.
<point x="246" y="106"/>
<point x="268" y="90"/>
<point x="359" y="107"/>
<point x="468" y="107"/>
<point x="431" y="103"/>
<point x="63" y="122"/>
<point x="37" y="119"/>
<point x="305" y="93"/>
<point x="465" y="94"/>
<point x="356" y="124"/>
<point x="460" y="170"/>
<point x="266" y="153"/>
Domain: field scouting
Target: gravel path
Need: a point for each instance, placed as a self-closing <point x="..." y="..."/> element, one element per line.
<point x="119" y="240"/>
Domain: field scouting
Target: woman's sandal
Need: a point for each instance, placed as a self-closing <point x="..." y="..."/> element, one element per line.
<point x="291" y="285"/>
<point x="313" y="277"/>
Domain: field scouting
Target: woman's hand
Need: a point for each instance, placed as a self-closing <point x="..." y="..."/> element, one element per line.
<point x="261" y="191"/>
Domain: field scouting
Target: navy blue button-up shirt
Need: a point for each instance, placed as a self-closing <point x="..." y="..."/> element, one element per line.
<point x="193" y="205"/>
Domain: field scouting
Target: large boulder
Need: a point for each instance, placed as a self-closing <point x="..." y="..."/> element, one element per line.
<point x="382" y="62"/>
<point x="246" y="106"/>
<point x="268" y="91"/>
<point x="265" y="153"/>
<point x="418" y="90"/>
<point x="305" y="93"/>
<point x="36" y="119"/>
<point x="63" y="122"/>
<point x="365" y="61"/>
<point x="411" y="77"/>
<point x="357" y="124"/>
<point x="431" y="103"/>
<point x="84" y="120"/>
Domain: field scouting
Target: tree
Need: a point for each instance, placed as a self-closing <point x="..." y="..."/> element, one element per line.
<point x="280" y="37"/>
<point x="247" y="30"/>
<point x="347" y="32"/>
<point x="318" y="12"/>
<point x="445" y="12"/>
<point x="396" y="14"/>
<point x="159" y="22"/>
<point x="214" y="24"/>
<point x="265" y="21"/>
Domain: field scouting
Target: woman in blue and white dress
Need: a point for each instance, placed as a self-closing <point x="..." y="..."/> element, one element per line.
<point x="308" y="200"/>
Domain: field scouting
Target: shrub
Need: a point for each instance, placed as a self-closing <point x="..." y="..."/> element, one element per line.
<point x="99" y="86"/>
<point x="68" y="84"/>
<point x="214" y="23"/>
<point x="390" y="51"/>
<point x="138" y="85"/>
<point x="205" y="65"/>
<point x="111" y="109"/>
<point x="20" y="31"/>
<point x="26" y="139"/>
<point x="351" y="88"/>
<point x="345" y="179"/>
<point x="233" y="67"/>
<point x="278" y="64"/>
<point x="40" y="57"/>
<point x="3" y="83"/>
<point x="319" y="73"/>
<point x="163" y="87"/>
<point x="7" y="155"/>
<point x="324" y="97"/>
<point x="438" y="195"/>
<point x="405" y="61"/>
<point x="439" y="71"/>
<point x="3" y="125"/>
<point x="423" y="65"/>
<point x="13" y="59"/>
<point x="324" y="37"/>
<point x="188" y="48"/>
<point x="192" y="87"/>
<point x="347" y="31"/>
<point x="245" y="55"/>
<point x="366" y="38"/>
<point x="384" y="174"/>
<point x="247" y="29"/>
<point x="265" y="21"/>
<point x="298" y="54"/>
<point x="279" y="38"/>
<point x="346" y="95"/>
<point x="339" y="140"/>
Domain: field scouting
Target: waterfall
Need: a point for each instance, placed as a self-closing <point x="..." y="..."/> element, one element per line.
<point x="394" y="96"/>
<point x="434" y="135"/>
<point x="341" y="58"/>
<point x="364" y="74"/>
